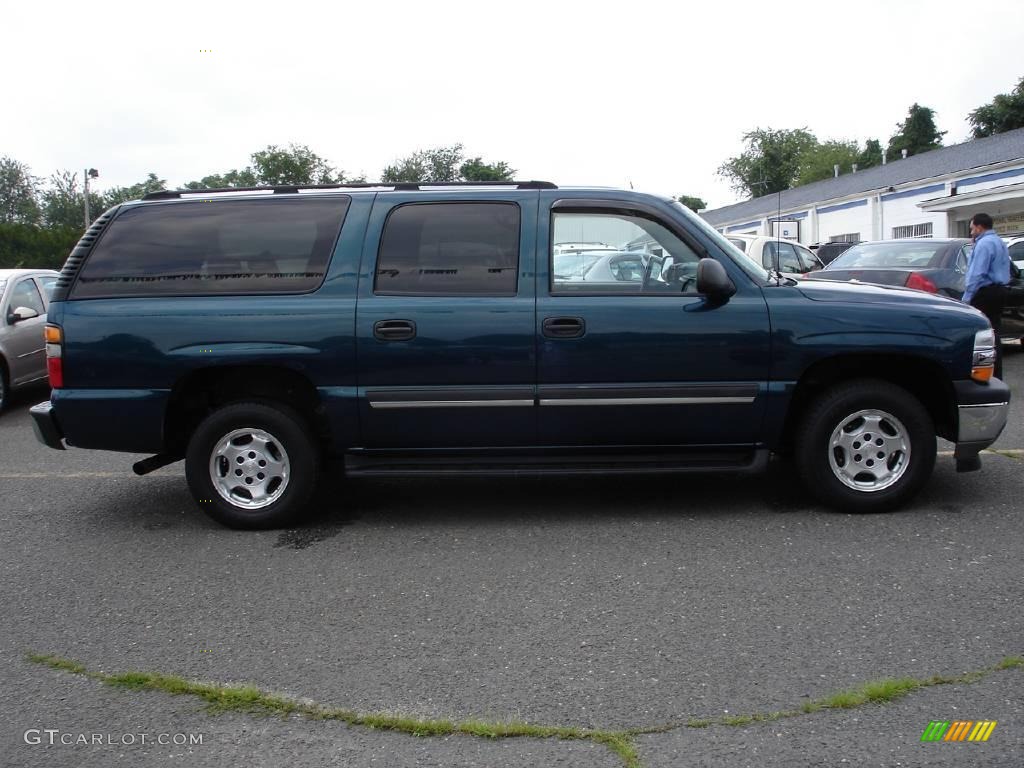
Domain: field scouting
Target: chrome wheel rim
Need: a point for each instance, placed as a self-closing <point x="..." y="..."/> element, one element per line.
<point x="869" y="450"/>
<point x="249" y="468"/>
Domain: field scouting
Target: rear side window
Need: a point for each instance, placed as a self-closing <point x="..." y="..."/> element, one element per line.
<point x="221" y="247"/>
<point x="461" y="249"/>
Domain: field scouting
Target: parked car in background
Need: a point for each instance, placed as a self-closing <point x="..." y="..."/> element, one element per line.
<point x="793" y="258"/>
<point x="24" y="299"/>
<point x="934" y="265"/>
<point x="1016" y="247"/>
<point x="601" y="266"/>
<point x="829" y="252"/>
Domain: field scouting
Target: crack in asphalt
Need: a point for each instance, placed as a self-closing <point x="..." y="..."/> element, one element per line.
<point x="221" y="698"/>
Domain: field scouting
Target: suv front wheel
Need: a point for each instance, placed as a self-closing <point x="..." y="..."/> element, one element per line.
<point x="252" y="465"/>
<point x="865" y="446"/>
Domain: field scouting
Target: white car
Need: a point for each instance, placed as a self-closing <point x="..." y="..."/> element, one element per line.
<point x="793" y="258"/>
<point x="1016" y="246"/>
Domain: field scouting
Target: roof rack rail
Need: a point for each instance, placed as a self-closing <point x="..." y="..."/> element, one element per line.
<point x="401" y="186"/>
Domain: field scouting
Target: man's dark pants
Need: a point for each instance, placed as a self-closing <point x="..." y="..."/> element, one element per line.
<point x="991" y="299"/>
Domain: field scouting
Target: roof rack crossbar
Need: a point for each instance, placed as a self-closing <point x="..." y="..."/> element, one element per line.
<point x="415" y="186"/>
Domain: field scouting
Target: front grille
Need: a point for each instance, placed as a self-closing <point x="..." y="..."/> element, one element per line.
<point x="78" y="255"/>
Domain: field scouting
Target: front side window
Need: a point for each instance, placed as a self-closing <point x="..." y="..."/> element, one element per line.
<point x="631" y="254"/>
<point x="449" y="249"/>
<point x="210" y="248"/>
<point x="25" y="294"/>
<point x="48" y="284"/>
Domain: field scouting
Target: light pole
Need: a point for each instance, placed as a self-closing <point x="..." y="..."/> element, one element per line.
<point x="88" y="173"/>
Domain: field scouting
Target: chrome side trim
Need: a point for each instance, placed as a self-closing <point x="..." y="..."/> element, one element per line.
<point x="646" y="400"/>
<point x="450" y="403"/>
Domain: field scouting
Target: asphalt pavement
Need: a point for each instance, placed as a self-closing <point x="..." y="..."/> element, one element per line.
<point x="612" y="604"/>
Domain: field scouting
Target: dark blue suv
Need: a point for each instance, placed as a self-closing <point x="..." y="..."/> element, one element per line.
<point x="412" y="329"/>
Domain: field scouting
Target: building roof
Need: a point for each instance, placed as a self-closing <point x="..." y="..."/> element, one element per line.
<point x="959" y="157"/>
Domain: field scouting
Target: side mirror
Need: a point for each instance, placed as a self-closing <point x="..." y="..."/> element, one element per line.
<point x="23" y="313"/>
<point x="713" y="281"/>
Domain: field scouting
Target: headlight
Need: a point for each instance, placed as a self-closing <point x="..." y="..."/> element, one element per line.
<point x="984" y="363"/>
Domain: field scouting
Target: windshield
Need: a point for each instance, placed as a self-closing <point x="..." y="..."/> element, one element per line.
<point x="909" y="254"/>
<point x="574" y="264"/>
<point x="747" y="265"/>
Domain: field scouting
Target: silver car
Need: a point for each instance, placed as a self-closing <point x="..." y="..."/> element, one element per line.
<point x="24" y="299"/>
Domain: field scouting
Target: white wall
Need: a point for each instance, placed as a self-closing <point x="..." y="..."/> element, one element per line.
<point x="904" y="211"/>
<point x="844" y="222"/>
<point x="993" y="183"/>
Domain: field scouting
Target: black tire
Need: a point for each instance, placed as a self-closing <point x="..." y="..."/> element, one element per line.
<point x="815" y="455"/>
<point x="291" y="440"/>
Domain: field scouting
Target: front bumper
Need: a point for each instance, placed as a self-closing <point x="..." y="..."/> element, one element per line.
<point x="982" y="410"/>
<point x="44" y="424"/>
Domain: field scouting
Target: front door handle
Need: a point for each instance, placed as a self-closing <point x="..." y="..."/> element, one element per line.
<point x="394" y="330"/>
<point x="563" y="327"/>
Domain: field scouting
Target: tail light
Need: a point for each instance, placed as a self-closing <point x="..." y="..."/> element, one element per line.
<point x="54" y="337"/>
<point x="921" y="283"/>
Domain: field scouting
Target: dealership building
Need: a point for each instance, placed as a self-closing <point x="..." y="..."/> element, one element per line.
<point x="933" y="194"/>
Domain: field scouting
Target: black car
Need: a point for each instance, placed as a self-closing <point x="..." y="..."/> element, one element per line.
<point x="929" y="264"/>
<point x="829" y="252"/>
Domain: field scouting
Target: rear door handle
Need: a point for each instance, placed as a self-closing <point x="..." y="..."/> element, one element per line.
<point x="563" y="327"/>
<point x="394" y="330"/>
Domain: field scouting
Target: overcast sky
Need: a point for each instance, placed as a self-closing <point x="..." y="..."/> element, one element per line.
<point x="656" y="94"/>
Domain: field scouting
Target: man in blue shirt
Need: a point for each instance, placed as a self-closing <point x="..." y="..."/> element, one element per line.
<point x="988" y="274"/>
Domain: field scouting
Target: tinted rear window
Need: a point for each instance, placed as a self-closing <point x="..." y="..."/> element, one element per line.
<point x="450" y="249"/>
<point x="909" y="254"/>
<point x="221" y="247"/>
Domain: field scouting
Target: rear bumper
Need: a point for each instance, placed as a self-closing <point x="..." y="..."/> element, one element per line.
<point x="44" y="424"/>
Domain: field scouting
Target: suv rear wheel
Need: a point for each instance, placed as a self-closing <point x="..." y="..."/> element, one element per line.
<point x="866" y="446"/>
<point x="253" y="465"/>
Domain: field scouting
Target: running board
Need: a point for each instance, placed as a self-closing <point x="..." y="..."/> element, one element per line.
<point x="397" y="465"/>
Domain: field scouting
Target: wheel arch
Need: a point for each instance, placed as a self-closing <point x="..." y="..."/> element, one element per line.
<point x="202" y="391"/>
<point x="925" y="379"/>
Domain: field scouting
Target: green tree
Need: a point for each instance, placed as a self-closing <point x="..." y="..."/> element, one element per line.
<point x="297" y="164"/>
<point x="871" y="155"/>
<point x="916" y="134"/>
<point x="64" y="203"/>
<point x="135" y="192"/>
<point x="19" y="191"/>
<point x="771" y="161"/>
<point x="438" y="164"/>
<point x="818" y="162"/>
<point x="1004" y="113"/>
<point x="26" y="245"/>
<point x="294" y="164"/>
<point x="693" y="203"/>
<point x="233" y="178"/>
<point x="475" y="169"/>
<point x="445" y="164"/>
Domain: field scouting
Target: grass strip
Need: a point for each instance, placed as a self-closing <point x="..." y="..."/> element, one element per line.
<point x="880" y="691"/>
<point x="250" y="699"/>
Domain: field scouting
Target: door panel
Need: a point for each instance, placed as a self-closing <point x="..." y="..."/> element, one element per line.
<point x="445" y="321"/>
<point x="26" y="348"/>
<point x="657" y="364"/>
